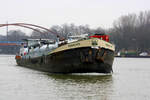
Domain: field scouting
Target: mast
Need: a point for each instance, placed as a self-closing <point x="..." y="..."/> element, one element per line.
<point x="7" y="31"/>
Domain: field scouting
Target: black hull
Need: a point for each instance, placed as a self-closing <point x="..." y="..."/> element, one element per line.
<point x="79" y="60"/>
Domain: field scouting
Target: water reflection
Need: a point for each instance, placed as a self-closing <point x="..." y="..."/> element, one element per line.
<point x="83" y="78"/>
<point x="130" y="81"/>
<point x="82" y="86"/>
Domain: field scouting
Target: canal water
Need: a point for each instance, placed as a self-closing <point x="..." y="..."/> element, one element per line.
<point x="130" y="81"/>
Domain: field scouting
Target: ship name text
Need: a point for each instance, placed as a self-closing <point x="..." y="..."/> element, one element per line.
<point x="73" y="45"/>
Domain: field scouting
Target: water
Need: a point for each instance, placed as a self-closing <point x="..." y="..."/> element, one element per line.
<point x="130" y="81"/>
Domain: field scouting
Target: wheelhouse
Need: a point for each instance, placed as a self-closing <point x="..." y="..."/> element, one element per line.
<point x="101" y="36"/>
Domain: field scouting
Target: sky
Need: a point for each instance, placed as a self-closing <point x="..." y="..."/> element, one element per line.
<point x="95" y="13"/>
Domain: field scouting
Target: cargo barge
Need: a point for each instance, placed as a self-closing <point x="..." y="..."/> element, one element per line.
<point x="77" y="54"/>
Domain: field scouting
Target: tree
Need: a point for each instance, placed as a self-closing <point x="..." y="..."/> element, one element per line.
<point x="16" y="35"/>
<point x="132" y="31"/>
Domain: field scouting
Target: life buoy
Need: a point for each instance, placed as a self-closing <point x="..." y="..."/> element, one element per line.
<point x="18" y="57"/>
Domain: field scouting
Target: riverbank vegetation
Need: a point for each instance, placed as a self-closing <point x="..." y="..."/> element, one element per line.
<point x="129" y="32"/>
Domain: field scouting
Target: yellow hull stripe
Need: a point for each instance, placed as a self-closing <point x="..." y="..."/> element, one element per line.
<point x="93" y="42"/>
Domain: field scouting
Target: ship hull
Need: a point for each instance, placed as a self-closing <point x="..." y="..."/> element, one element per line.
<point x="77" y="60"/>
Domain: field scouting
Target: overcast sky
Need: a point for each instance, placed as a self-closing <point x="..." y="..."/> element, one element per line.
<point x="95" y="13"/>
